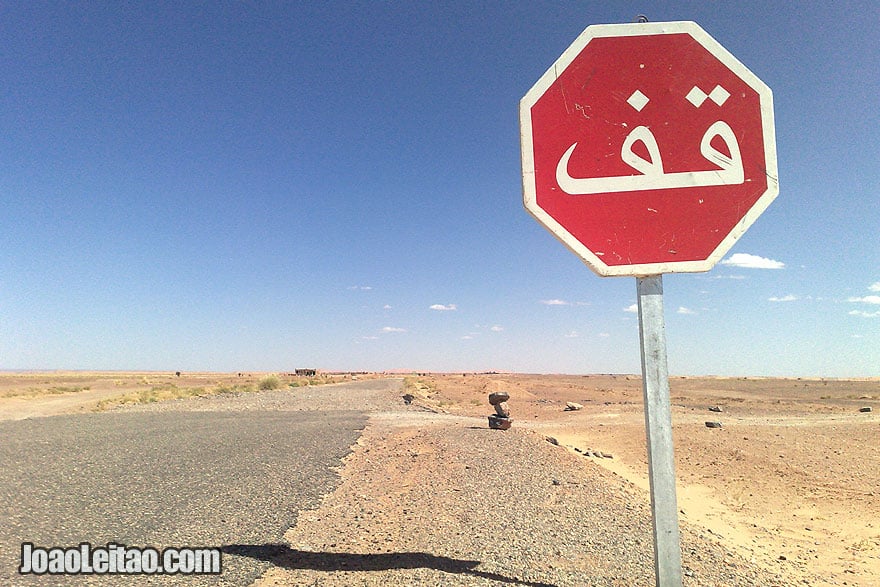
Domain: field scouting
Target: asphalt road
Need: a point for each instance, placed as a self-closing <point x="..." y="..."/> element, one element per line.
<point x="169" y="478"/>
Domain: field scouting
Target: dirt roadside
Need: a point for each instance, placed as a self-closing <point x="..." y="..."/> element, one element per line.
<point x="791" y="479"/>
<point x="39" y="394"/>
<point x="438" y="499"/>
<point x="35" y="395"/>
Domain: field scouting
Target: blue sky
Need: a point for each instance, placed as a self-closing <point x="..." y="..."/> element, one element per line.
<point x="261" y="186"/>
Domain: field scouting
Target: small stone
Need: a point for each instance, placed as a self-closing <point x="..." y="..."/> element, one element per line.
<point x="866" y="409"/>
<point x="408" y="398"/>
<point x="573" y="407"/>
<point x="607" y="455"/>
<point x="715" y="409"/>
<point x="713" y="424"/>
<point x="502" y="410"/>
<point x="497" y="397"/>
<point x="498" y="423"/>
<point x="552" y="440"/>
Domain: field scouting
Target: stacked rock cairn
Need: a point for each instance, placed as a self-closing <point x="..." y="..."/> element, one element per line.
<point x="500" y="420"/>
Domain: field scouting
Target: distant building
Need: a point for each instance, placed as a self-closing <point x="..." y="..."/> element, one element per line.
<point x="306" y="372"/>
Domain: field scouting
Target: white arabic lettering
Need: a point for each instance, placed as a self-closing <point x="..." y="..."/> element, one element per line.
<point x="729" y="172"/>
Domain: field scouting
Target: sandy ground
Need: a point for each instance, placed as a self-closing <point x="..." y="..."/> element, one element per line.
<point x="792" y="477"/>
<point x="37" y="394"/>
<point x="789" y="483"/>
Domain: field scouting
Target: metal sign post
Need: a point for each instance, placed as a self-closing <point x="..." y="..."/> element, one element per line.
<point x="658" y="427"/>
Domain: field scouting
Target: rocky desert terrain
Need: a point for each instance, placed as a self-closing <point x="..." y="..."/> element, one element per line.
<point x="791" y="478"/>
<point x="784" y="488"/>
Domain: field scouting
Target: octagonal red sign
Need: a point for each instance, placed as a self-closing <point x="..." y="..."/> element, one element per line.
<point x="648" y="148"/>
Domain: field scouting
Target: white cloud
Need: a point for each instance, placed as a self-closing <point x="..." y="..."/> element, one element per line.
<point x="875" y="300"/>
<point x="866" y="300"/>
<point x="555" y="303"/>
<point x="683" y="310"/>
<point x="442" y="308"/>
<point x="572" y="334"/>
<point x="604" y="335"/>
<point x="369" y="338"/>
<point x="386" y="307"/>
<point x="634" y="309"/>
<point x="788" y="298"/>
<point x="497" y="328"/>
<point x="467" y="337"/>
<point x="393" y="329"/>
<point x="361" y="287"/>
<point x="752" y="262"/>
<point x="864" y="314"/>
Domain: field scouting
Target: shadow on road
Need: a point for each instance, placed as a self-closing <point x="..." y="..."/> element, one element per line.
<point x="283" y="556"/>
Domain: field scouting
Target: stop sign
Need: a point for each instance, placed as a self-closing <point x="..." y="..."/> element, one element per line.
<point x="648" y="148"/>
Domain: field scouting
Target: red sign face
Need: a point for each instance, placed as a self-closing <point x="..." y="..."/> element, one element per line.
<point x="647" y="148"/>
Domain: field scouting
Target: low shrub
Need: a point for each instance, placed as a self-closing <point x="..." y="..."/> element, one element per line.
<point x="269" y="382"/>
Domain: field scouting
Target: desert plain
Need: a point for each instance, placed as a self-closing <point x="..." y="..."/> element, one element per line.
<point x="790" y="480"/>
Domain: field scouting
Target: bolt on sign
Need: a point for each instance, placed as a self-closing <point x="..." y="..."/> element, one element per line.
<point x="648" y="148"/>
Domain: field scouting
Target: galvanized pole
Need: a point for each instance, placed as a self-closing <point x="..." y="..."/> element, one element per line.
<point x="658" y="427"/>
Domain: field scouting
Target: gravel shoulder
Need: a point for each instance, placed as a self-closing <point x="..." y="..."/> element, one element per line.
<point x="435" y="499"/>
